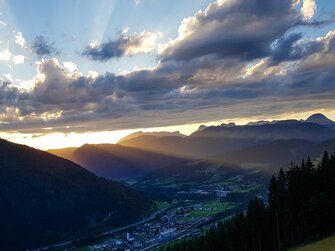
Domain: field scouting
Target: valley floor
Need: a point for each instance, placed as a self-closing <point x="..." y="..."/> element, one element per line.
<point x="174" y="221"/>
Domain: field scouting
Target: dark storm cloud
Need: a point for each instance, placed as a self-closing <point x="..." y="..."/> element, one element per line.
<point x="123" y="45"/>
<point x="293" y="47"/>
<point x="169" y="94"/>
<point x="283" y="48"/>
<point x="8" y="93"/>
<point x="242" y="29"/>
<point x="79" y="98"/>
<point x="235" y="59"/>
<point x="41" y="47"/>
<point x="105" y="51"/>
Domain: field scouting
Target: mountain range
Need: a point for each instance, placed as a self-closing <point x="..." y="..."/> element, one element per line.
<point x="217" y="140"/>
<point x="261" y="145"/>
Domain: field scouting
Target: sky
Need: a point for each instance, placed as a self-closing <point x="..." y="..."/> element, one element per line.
<point x="83" y="71"/>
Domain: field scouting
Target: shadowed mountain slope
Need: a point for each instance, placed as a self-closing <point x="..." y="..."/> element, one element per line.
<point x="43" y="196"/>
<point x="321" y="119"/>
<point x="270" y="156"/>
<point x="265" y="145"/>
<point x="116" y="161"/>
<point x="220" y="139"/>
<point x="276" y="154"/>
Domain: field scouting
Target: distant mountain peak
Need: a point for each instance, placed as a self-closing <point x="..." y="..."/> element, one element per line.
<point x="86" y="146"/>
<point x="231" y="124"/>
<point x="261" y="122"/>
<point x="201" y="127"/>
<point x="151" y="134"/>
<point x="319" y="118"/>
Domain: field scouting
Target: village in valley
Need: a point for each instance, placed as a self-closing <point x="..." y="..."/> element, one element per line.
<point x="181" y="218"/>
<point x="171" y="223"/>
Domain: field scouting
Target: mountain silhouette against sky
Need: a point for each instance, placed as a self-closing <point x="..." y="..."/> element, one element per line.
<point x="115" y="161"/>
<point x="321" y="119"/>
<point x="155" y="134"/>
<point x="226" y="138"/>
<point x="265" y="145"/>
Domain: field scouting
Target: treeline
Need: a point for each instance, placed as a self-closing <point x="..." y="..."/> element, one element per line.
<point x="300" y="208"/>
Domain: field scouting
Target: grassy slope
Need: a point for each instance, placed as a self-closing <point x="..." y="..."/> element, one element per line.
<point x="327" y="244"/>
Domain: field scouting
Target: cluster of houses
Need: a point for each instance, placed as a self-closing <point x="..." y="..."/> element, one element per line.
<point x="174" y="223"/>
<point x="219" y="193"/>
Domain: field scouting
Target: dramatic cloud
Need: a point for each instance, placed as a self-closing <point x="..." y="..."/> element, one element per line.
<point x="8" y="99"/>
<point x="243" y="29"/>
<point x="293" y="47"/>
<point x="123" y="45"/>
<point x="232" y="29"/>
<point x="42" y="48"/>
<point x="236" y="58"/>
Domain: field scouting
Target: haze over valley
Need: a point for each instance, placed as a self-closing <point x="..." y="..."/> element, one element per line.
<point x="133" y="125"/>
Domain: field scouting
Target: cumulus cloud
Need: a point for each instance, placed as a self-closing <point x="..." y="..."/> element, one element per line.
<point x="123" y="45"/>
<point x="42" y="48"/>
<point x="8" y="94"/>
<point x="232" y="29"/>
<point x="18" y="59"/>
<point x="308" y="8"/>
<point x="92" y="74"/>
<point x="294" y="47"/>
<point x="5" y="55"/>
<point x="258" y="66"/>
<point x="241" y="29"/>
<point x="58" y="89"/>
<point x="171" y="94"/>
<point x="19" y="39"/>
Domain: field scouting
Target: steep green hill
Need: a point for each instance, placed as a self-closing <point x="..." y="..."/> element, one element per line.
<point x="327" y="244"/>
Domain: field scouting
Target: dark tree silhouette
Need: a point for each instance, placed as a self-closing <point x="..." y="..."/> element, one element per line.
<point x="301" y="207"/>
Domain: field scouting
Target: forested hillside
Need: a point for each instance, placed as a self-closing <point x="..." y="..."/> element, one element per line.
<point x="300" y="208"/>
<point x="44" y="198"/>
